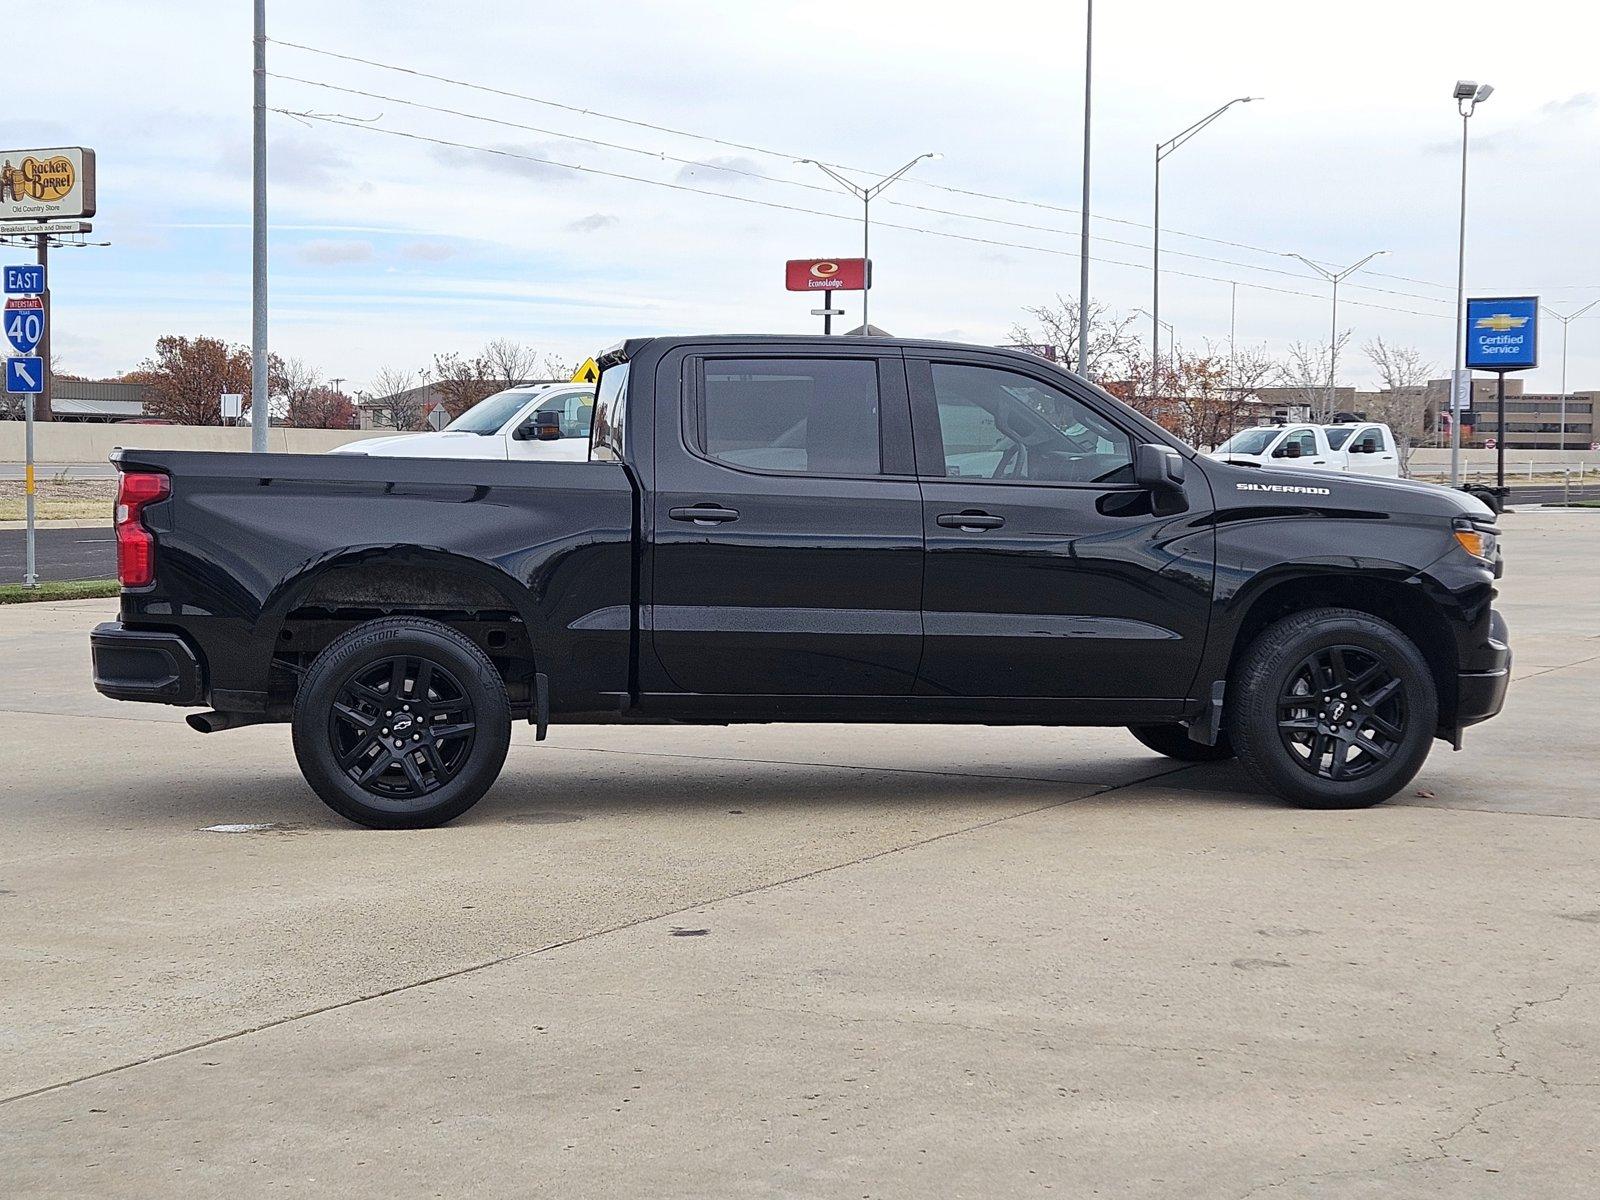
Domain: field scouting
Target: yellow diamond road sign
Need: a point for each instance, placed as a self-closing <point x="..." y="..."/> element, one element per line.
<point x="588" y="373"/>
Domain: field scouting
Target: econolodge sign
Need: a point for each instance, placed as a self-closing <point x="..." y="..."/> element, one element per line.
<point x="43" y="185"/>
<point x="828" y="274"/>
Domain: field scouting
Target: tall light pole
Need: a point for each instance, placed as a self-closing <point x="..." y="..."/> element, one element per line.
<point x="1083" y="237"/>
<point x="1468" y="96"/>
<point x="260" y="407"/>
<point x="1172" y="335"/>
<point x="1162" y="150"/>
<point x="1565" y="321"/>
<point x="866" y="195"/>
<point x="1334" y="277"/>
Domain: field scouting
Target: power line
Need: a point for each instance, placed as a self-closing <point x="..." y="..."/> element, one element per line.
<point x="959" y="191"/>
<point x="763" y="178"/>
<point x="350" y="123"/>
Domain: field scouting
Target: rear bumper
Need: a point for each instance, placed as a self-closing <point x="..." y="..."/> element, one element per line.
<point x="1481" y="694"/>
<point x="156" y="666"/>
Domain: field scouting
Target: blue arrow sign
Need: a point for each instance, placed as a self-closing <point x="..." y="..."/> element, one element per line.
<point x="25" y="280"/>
<point x="1503" y="333"/>
<point x="25" y="376"/>
<point x="23" y="321"/>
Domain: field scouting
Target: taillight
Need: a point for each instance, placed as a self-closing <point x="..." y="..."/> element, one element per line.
<point x="136" y="545"/>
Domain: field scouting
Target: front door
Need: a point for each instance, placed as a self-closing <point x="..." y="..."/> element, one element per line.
<point x="1049" y="574"/>
<point x="787" y="526"/>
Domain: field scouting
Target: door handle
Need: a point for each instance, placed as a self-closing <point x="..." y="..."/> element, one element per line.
<point x="704" y="514"/>
<point x="971" y="522"/>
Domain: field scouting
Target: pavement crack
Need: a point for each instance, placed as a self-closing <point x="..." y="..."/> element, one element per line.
<point x="562" y="943"/>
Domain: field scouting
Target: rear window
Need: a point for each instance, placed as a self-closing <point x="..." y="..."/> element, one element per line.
<point x="806" y="416"/>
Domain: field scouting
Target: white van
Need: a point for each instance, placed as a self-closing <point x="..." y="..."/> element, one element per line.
<point x="1367" y="446"/>
<point x="503" y="426"/>
<point x="1281" y="446"/>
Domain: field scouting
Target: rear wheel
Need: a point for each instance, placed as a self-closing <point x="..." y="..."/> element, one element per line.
<point x="401" y="723"/>
<point x="1173" y="740"/>
<point x="1333" y="708"/>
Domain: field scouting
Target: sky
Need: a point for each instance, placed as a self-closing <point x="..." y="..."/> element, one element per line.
<point x="387" y="248"/>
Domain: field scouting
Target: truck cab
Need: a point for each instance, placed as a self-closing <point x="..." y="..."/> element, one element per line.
<point x="1367" y="448"/>
<point x="502" y="426"/>
<point x="1294" y="445"/>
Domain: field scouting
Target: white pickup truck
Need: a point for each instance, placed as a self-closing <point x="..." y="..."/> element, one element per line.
<point x="1362" y="448"/>
<point x="547" y="422"/>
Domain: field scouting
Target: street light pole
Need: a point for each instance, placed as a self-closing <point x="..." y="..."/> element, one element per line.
<point x="260" y="414"/>
<point x="1172" y="334"/>
<point x="1334" y="277"/>
<point x="1565" y="321"/>
<point x="1162" y="150"/>
<point x="1468" y="96"/>
<point x="1083" y="237"/>
<point x="866" y="195"/>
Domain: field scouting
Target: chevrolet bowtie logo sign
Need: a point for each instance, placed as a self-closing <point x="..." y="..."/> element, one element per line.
<point x="1500" y="322"/>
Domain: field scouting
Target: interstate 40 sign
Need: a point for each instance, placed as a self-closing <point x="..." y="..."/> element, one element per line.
<point x="23" y="320"/>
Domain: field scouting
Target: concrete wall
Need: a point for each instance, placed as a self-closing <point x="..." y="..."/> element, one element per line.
<point x="1429" y="461"/>
<point x="75" y="442"/>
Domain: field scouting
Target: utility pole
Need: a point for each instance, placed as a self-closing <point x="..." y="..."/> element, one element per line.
<point x="1334" y="277"/>
<point x="260" y="406"/>
<point x="1083" y="237"/>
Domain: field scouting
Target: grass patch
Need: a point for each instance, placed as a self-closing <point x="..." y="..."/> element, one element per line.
<point x="76" y="589"/>
<point x="59" y="499"/>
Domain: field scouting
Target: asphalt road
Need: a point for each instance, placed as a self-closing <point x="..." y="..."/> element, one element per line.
<point x="62" y="553"/>
<point x="804" y="960"/>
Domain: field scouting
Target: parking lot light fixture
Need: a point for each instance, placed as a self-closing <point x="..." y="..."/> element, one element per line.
<point x="1565" y="321"/>
<point x="866" y="194"/>
<point x="1334" y="277"/>
<point x="1468" y="95"/>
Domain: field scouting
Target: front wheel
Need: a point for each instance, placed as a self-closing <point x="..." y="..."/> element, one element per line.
<point x="1333" y="708"/>
<point x="401" y="723"/>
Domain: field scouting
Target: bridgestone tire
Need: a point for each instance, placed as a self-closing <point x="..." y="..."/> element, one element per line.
<point x="1174" y="742"/>
<point x="443" y="713"/>
<point x="1269" y="669"/>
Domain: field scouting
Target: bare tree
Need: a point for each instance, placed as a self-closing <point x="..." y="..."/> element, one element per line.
<point x="292" y="378"/>
<point x="553" y="366"/>
<point x="395" y="400"/>
<point x="1305" y="373"/>
<point x="462" y="382"/>
<point x="506" y="363"/>
<point x="1402" y="402"/>
<point x="1114" y="348"/>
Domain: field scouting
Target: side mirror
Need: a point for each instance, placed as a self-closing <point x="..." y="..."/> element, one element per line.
<point x="1369" y="446"/>
<point x="1157" y="467"/>
<point x="1287" y="450"/>
<point x="541" y="427"/>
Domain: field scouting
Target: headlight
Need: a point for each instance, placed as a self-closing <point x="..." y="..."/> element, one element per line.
<point x="1477" y="540"/>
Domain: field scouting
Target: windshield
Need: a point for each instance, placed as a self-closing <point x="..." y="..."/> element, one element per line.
<point x="1338" y="437"/>
<point x="1250" y="441"/>
<point x="489" y="415"/>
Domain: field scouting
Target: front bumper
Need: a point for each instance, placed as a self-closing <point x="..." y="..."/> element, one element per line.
<point x="156" y="666"/>
<point x="1481" y="694"/>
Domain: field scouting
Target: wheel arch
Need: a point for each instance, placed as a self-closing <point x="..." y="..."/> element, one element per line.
<point x="1394" y="597"/>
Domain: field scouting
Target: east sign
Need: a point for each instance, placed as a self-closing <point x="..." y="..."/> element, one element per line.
<point x="41" y="185"/>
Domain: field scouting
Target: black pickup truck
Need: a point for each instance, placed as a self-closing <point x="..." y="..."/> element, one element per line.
<point x="808" y="529"/>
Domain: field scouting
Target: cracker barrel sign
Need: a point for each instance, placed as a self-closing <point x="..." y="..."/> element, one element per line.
<point x="45" y="184"/>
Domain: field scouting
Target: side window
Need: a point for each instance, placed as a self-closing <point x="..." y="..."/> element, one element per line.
<point x="817" y="416"/>
<point x="998" y="424"/>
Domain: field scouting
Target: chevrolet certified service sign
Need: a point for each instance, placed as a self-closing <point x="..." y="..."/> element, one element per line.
<point x="1503" y="334"/>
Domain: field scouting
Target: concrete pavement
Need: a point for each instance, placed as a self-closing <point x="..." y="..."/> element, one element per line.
<point x="804" y="961"/>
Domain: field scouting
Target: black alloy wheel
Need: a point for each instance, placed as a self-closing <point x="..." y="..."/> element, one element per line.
<point x="1342" y="713"/>
<point x="401" y="723"/>
<point x="402" y="727"/>
<point x="1332" y="708"/>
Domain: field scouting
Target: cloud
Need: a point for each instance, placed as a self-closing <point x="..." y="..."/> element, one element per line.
<point x="593" y="223"/>
<point x="336" y="251"/>
<point x="502" y="163"/>
<point x="1578" y="102"/>
<point x="428" y="251"/>
<point x="725" y="168"/>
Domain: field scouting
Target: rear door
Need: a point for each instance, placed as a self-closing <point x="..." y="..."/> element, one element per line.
<point x="787" y="555"/>
<point x="1049" y="573"/>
